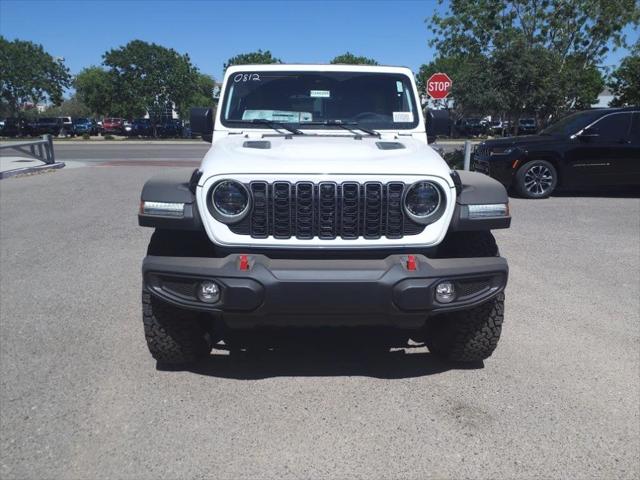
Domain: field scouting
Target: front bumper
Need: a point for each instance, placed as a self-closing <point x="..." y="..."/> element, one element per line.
<point x="324" y="292"/>
<point x="499" y="167"/>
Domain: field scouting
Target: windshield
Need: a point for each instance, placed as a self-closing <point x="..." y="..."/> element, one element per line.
<point x="372" y="100"/>
<point x="572" y="123"/>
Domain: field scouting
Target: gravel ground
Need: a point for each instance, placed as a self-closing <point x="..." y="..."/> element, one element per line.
<point x="81" y="397"/>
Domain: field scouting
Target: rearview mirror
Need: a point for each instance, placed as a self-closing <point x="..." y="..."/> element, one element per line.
<point x="201" y="120"/>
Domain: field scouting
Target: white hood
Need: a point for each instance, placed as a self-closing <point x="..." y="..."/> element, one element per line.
<point x="322" y="155"/>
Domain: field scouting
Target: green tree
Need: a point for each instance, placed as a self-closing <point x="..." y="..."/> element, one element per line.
<point x="259" y="58"/>
<point x="201" y="96"/>
<point x="625" y="80"/>
<point x="149" y="78"/>
<point x="351" y="59"/>
<point x="539" y="56"/>
<point x="567" y="27"/>
<point x="70" y="107"/>
<point x="94" y="88"/>
<point x="29" y="74"/>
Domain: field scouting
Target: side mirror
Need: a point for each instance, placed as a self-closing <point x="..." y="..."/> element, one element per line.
<point x="437" y="123"/>
<point x="201" y="120"/>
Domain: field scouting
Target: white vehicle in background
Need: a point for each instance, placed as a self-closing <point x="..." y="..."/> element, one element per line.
<point x="67" y="127"/>
<point x="321" y="203"/>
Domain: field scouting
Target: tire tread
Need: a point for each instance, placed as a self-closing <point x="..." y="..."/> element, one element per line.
<point x="174" y="336"/>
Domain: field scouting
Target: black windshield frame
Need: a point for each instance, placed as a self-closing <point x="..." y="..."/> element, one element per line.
<point x="379" y="121"/>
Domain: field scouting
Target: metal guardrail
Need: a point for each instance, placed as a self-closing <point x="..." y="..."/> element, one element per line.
<point x="41" y="149"/>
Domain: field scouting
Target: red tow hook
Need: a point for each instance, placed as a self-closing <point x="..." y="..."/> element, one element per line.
<point x="412" y="265"/>
<point x="244" y="263"/>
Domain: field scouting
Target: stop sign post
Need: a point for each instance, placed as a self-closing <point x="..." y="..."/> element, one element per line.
<point x="439" y="86"/>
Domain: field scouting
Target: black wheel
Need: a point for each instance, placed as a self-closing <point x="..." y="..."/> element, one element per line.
<point x="468" y="244"/>
<point x="469" y="335"/>
<point x="536" y="179"/>
<point x="174" y="336"/>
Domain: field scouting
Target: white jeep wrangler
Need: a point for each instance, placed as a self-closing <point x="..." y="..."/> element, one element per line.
<point x="320" y="203"/>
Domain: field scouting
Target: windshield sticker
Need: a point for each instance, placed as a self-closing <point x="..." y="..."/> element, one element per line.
<point x="277" y="116"/>
<point x="320" y="94"/>
<point x="246" y="77"/>
<point x="399" y="86"/>
<point x="402" y="117"/>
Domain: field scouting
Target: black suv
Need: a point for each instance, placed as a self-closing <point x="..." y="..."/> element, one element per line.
<point x="592" y="148"/>
<point x="50" y="125"/>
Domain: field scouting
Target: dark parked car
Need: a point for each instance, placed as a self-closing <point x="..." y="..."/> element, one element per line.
<point x="113" y="126"/>
<point x="168" y="128"/>
<point x="471" y="127"/>
<point x="46" y="125"/>
<point x="13" y="127"/>
<point x="85" y="125"/>
<point x="590" y="148"/>
<point x="527" y="126"/>
<point x="141" y="127"/>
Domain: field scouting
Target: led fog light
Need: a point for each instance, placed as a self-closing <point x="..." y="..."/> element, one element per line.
<point x="445" y="292"/>
<point x="209" y="292"/>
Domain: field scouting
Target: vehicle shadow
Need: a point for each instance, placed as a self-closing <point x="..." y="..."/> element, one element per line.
<point x="619" y="192"/>
<point x="601" y="192"/>
<point x="371" y="352"/>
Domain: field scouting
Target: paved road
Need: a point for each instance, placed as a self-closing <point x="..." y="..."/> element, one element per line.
<point x="122" y="151"/>
<point x="162" y="153"/>
<point x="80" y="396"/>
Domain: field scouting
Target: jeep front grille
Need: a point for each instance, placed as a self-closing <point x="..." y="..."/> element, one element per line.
<point x="326" y="210"/>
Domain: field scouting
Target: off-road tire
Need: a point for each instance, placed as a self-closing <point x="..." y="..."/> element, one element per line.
<point x="174" y="336"/>
<point x="526" y="169"/>
<point x="468" y="335"/>
<point x="468" y="245"/>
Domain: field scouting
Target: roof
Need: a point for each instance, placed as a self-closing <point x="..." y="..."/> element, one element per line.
<point x="301" y="67"/>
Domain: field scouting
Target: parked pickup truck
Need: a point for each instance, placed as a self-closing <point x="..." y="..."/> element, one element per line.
<point x="320" y="203"/>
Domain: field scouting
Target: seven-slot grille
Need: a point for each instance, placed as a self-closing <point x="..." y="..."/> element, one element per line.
<point x="326" y="210"/>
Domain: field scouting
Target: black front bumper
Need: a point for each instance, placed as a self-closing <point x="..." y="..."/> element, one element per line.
<point x="324" y="292"/>
<point x="499" y="167"/>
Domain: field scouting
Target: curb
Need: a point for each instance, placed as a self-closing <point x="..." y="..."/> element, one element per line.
<point x="30" y="170"/>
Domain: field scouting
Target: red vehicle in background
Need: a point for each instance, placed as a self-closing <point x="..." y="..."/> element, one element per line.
<point x="113" y="126"/>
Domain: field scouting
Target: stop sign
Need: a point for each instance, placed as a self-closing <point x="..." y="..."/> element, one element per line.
<point x="439" y="86"/>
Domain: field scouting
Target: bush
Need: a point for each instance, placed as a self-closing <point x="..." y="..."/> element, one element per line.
<point x="108" y="137"/>
<point x="86" y="136"/>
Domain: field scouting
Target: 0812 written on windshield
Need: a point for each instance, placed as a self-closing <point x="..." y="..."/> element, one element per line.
<point x="320" y="99"/>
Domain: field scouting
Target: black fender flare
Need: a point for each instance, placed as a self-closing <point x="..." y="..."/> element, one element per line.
<point x="475" y="188"/>
<point x="172" y="187"/>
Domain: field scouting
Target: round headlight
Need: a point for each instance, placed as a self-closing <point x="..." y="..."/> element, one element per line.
<point x="230" y="199"/>
<point x="422" y="201"/>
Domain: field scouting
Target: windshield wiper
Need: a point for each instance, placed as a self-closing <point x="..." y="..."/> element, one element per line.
<point x="270" y="123"/>
<point x="345" y="126"/>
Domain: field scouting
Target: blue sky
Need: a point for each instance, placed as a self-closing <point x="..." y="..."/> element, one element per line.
<point x="392" y="32"/>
